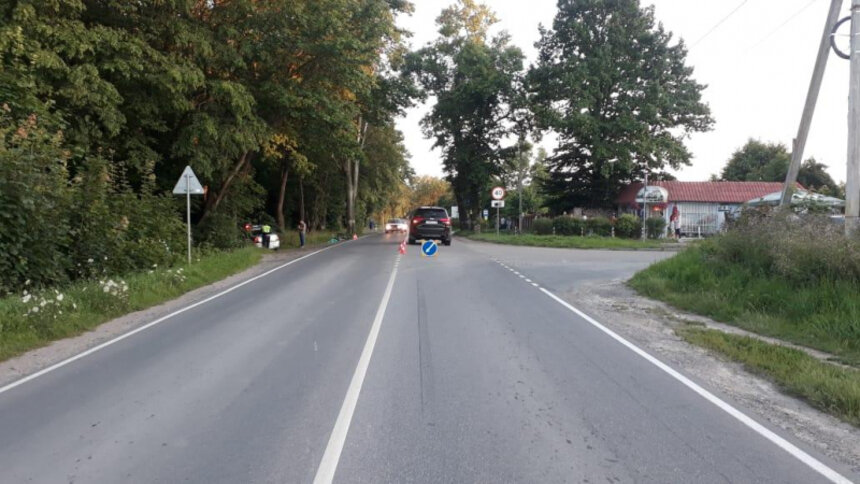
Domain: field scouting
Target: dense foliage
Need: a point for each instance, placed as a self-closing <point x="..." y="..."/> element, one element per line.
<point x="283" y="108"/>
<point x="475" y="81"/>
<point x="758" y="161"/>
<point x="615" y="87"/>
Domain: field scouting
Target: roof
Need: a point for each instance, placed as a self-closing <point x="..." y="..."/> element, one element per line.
<point x="705" y="192"/>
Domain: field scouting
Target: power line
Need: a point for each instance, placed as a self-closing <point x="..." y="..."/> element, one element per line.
<point x="786" y="22"/>
<point x="717" y="25"/>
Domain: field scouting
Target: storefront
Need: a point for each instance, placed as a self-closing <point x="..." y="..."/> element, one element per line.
<point x="702" y="206"/>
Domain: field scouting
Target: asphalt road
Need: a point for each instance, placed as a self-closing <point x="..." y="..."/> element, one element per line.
<point x="374" y="368"/>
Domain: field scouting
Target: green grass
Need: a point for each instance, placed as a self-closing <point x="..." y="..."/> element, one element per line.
<point x="824" y="314"/>
<point x="830" y="388"/>
<point x="290" y="238"/>
<point x="81" y="306"/>
<point x="564" y="241"/>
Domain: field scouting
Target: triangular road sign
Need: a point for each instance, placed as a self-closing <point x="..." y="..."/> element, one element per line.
<point x="188" y="183"/>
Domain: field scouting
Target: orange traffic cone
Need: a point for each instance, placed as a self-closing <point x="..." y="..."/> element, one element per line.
<point x="402" y="248"/>
<point x="354" y="237"/>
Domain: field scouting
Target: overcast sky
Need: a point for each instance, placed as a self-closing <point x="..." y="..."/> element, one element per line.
<point x="757" y="66"/>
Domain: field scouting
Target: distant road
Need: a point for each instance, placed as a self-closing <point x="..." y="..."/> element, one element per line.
<point x="369" y="367"/>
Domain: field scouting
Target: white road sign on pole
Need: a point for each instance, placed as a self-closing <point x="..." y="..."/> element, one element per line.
<point x="497" y="203"/>
<point x="498" y="193"/>
<point x="188" y="185"/>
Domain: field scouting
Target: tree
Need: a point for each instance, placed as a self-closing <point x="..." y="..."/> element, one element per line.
<point x="758" y="161"/>
<point x="813" y="175"/>
<point x="429" y="190"/>
<point x="617" y="91"/>
<point x="474" y="80"/>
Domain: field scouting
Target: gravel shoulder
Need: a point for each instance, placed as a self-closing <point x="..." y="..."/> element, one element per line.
<point x="651" y="325"/>
<point x="40" y="358"/>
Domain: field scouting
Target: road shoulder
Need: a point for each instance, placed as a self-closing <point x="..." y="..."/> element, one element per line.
<point x="35" y="360"/>
<point x="651" y="324"/>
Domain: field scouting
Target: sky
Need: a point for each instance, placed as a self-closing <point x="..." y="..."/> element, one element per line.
<point x="757" y="65"/>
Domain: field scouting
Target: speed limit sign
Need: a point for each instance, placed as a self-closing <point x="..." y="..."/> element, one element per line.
<point x="498" y="193"/>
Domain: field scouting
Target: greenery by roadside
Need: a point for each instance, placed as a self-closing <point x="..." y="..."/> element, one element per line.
<point x="564" y="241"/>
<point x="793" y="279"/>
<point x="830" y="388"/>
<point x="31" y="320"/>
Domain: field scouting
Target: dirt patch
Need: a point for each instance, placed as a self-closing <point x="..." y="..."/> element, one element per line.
<point x="33" y="361"/>
<point x="651" y="325"/>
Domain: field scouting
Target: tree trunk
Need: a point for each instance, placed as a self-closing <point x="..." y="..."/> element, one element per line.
<point x="302" y="200"/>
<point x="213" y="202"/>
<point x="285" y="173"/>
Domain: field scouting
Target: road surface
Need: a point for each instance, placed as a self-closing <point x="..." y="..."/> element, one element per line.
<point x="367" y="367"/>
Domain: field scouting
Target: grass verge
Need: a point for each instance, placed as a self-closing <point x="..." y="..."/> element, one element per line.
<point x="823" y="314"/>
<point x="565" y="241"/>
<point x="33" y="320"/>
<point x="832" y="389"/>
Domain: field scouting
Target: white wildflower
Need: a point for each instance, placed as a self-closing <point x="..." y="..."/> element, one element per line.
<point x="26" y="298"/>
<point x="60" y="297"/>
<point x="74" y="306"/>
<point x="27" y="282"/>
<point x="90" y="260"/>
<point x="35" y="309"/>
<point x="42" y="304"/>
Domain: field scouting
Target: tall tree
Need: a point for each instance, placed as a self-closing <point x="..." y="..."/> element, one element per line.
<point x="759" y="161"/>
<point x="474" y="80"/>
<point x="616" y="89"/>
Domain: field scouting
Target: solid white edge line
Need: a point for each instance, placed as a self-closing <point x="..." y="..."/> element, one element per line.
<point x="787" y="446"/>
<point x="331" y="456"/>
<point x="133" y="332"/>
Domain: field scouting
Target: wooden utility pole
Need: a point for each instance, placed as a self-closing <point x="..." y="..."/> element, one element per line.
<point x="809" y="108"/>
<point x="852" y="181"/>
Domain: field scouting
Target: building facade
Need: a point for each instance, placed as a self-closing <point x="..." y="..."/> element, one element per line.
<point x="702" y="206"/>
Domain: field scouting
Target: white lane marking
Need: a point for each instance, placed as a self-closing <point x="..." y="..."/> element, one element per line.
<point x="535" y="285"/>
<point x="331" y="457"/>
<point x="529" y="281"/>
<point x="133" y="332"/>
<point x="796" y="452"/>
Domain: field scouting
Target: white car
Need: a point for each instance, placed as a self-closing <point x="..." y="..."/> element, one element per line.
<point x="396" y="225"/>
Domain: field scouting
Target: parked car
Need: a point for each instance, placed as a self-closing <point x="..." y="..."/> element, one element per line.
<point x="396" y="225"/>
<point x="260" y="239"/>
<point x="430" y="223"/>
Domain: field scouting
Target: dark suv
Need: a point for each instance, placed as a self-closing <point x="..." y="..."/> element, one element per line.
<point x="430" y="223"/>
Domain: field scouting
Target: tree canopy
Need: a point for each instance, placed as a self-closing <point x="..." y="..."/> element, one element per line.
<point x="615" y="87"/>
<point x="475" y="80"/>
<point x="760" y="161"/>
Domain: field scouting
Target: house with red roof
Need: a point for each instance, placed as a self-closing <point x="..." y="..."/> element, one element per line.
<point x="702" y="206"/>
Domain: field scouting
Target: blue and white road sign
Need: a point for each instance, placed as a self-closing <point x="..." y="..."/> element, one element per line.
<point x="429" y="248"/>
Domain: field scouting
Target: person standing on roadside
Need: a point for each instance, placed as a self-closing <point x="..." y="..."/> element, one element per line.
<point x="302" y="228"/>
<point x="675" y="222"/>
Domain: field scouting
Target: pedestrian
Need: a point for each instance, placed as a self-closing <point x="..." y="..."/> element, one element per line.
<point x="675" y="222"/>
<point x="302" y="228"/>
<point x="267" y="233"/>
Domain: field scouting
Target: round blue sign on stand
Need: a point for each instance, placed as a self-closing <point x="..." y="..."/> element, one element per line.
<point x="429" y="248"/>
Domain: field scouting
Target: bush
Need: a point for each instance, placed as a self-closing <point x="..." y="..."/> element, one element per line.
<point x="567" y="226"/>
<point x="628" y="226"/>
<point x="656" y="227"/>
<point x="542" y="226"/>
<point x="34" y="198"/>
<point x="598" y="226"/>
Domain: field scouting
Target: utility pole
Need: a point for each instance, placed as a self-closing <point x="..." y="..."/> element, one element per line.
<point x="852" y="181"/>
<point x="645" y="206"/>
<point x="799" y="143"/>
<point x="520" y="188"/>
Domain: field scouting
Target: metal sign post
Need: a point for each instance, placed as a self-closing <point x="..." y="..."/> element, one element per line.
<point x="498" y="194"/>
<point x="191" y="186"/>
